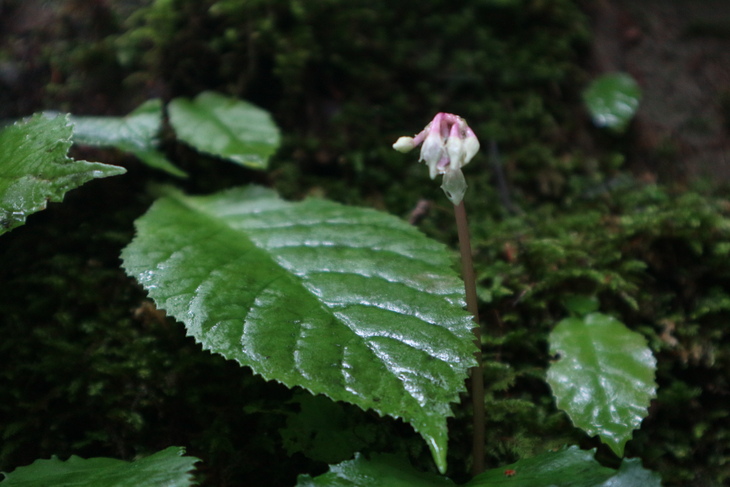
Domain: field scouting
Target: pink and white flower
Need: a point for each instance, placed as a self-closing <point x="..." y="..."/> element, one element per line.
<point x="447" y="144"/>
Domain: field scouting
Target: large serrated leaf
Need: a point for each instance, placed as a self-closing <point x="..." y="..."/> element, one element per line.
<point x="604" y="378"/>
<point x="571" y="467"/>
<point x="167" y="467"/>
<point x="225" y="127"/>
<point x="348" y="302"/>
<point x="137" y="133"/>
<point x="34" y="168"/>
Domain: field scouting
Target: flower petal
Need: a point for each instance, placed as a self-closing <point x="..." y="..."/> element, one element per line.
<point x="454" y="185"/>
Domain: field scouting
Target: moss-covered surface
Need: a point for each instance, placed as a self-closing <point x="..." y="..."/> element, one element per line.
<point x="91" y="368"/>
<point x="656" y="260"/>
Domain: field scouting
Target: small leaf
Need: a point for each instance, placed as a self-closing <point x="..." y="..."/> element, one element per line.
<point x="571" y="467"/>
<point x="35" y="169"/>
<point x="167" y="467"/>
<point x="613" y="100"/>
<point x="382" y="470"/>
<point x="633" y="474"/>
<point x="348" y="302"/>
<point x="604" y="378"/>
<point x="225" y="127"/>
<point x="137" y="133"/>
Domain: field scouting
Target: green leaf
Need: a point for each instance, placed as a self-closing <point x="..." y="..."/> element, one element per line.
<point x="167" y="467"/>
<point x="604" y="378"/>
<point x="137" y="133"/>
<point x="633" y="474"/>
<point x="571" y="467"/>
<point x="225" y="127"/>
<point x="343" y="301"/>
<point x="382" y="470"/>
<point x="35" y="169"/>
<point x="612" y="100"/>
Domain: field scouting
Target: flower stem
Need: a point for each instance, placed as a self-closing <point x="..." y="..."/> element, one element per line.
<point x="477" y="373"/>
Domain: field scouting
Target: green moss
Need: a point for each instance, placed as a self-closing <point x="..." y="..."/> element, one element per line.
<point x="346" y="80"/>
<point x="654" y="258"/>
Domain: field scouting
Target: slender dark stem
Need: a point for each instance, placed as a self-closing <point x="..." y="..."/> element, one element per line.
<point x="477" y="373"/>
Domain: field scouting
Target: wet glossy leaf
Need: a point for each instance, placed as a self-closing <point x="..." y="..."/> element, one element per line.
<point x="167" y="467"/>
<point x="612" y="100"/>
<point x="137" y="133"/>
<point x="344" y="301"/>
<point x="382" y="470"/>
<point x="604" y="377"/>
<point x="35" y="169"/>
<point x="571" y="467"/>
<point x="225" y="127"/>
<point x="633" y="474"/>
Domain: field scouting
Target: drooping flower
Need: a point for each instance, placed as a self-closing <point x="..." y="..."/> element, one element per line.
<point x="447" y="144"/>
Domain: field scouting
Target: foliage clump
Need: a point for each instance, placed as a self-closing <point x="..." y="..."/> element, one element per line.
<point x="85" y="351"/>
<point x="655" y="259"/>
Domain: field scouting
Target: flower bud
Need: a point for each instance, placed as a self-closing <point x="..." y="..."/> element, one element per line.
<point x="404" y="144"/>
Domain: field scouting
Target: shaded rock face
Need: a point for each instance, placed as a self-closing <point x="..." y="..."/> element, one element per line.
<point x="679" y="52"/>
